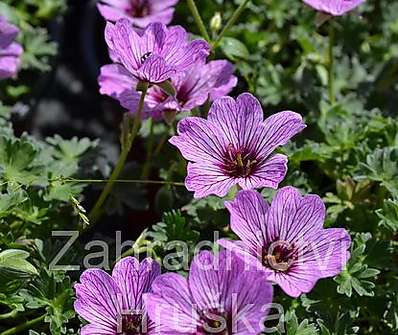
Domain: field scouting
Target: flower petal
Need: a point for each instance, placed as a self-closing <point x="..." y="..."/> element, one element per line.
<point x="115" y="79"/>
<point x="199" y="141"/>
<point x="134" y="279"/>
<point x="334" y="7"/>
<point x="239" y="120"/>
<point x="206" y="179"/>
<point x="98" y="299"/>
<point x="279" y="129"/>
<point x="181" y="53"/>
<point x="155" y="70"/>
<point x="220" y="282"/>
<point x="293" y="217"/>
<point x="248" y="219"/>
<point x="170" y="305"/>
<point x="96" y="330"/>
<point x="269" y="173"/>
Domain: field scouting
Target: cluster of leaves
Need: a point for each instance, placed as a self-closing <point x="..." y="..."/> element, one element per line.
<point x="348" y="155"/>
<point x="31" y="17"/>
<point x="38" y="196"/>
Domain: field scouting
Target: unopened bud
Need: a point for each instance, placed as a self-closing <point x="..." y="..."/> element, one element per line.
<point x="215" y="22"/>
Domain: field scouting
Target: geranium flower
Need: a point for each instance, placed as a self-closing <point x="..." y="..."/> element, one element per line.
<point x="334" y="7"/>
<point x="10" y="51"/>
<point x="220" y="296"/>
<point x="193" y="87"/>
<point x="234" y="146"/>
<point x="139" y="12"/>
<point x="156" y="55"/>
<point x="287" y="239"/>
<point x="113" y="304"/>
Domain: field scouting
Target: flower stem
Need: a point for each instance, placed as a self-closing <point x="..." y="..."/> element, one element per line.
<point x="331" y="65"/>
<point x="127" y="142"/>
<point x="230" y="22"/>
<point x="23" y="326"/>
<point x="198" y="19"/>
<point x="146" y="170"/>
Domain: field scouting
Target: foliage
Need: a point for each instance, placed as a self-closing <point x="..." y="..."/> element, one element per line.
<point x="348" y="155"/>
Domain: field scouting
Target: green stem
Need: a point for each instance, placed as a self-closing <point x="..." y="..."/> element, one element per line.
<point x="134" y="181"/>
<point x="127" y="143"/>
<point x="146" y="170"/>
<point x="230" y="22"/>
<point x="9" y="315"/>
<point x="198" y="19"/>
<point x="23" y="326"/>
<point x="331" y="65"/>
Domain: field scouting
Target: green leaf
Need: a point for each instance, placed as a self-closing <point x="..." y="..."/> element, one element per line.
<point x="353" y="277"/>
<point x="234" y="49"/>
<point x="16" y="259"/>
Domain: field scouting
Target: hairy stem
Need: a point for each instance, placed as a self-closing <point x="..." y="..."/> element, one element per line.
<point x="332" y="97"/>
<point x="127" y="142"/>
<point x="198" y="19"/>
<point x="23" y="326"/>
<point x="231" y="22"/>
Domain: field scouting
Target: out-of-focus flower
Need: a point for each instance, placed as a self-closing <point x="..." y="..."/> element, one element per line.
<point x="287" y="239"/>
<point x="234" y="146"/>
<point x="193" y="88"/>
<point x="157" y="54"/>
<point x="220" y="296"/>
<point x="334" y="7"/>
<point x="114" y="304"/>
<point x="10" y="51"/>
<point x="139" y="12"/>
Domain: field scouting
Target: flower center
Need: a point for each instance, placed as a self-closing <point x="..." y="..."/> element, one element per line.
<point x="239" y="162"/>
<point x="132" y="324"/>
<point x="145" y="56"/>
<point x="214" y="322"/>
<point x="279" y="256"/>
<point x="138" y="8"/>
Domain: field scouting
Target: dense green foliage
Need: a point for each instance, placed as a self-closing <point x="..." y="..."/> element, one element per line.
<point x="348" y="155"/>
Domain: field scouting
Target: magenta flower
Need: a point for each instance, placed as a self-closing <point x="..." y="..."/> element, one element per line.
<point x="156" y="55"/>
<point x="10" y="51"/>
<point x="139" y="12"/>
<point x="334" y="7"/>
<point x="287" y="240"/>
<point x="194" y="86"/>
<point x="220" y="296"/>
<point x="234" y="146"/>
<point x="114" y="304"/>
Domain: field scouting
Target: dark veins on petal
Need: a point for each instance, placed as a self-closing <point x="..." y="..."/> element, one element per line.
<point x="214" y="322"/>
<point x="279" y="255"/>
<point x="139" y="8"/>
<point x="239" y="163"/>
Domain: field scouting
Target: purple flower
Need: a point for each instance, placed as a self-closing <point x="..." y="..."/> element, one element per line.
<point x="220" y="296"/>
<point x="334" y="7"/>
<point x="287" y="239"/>
<point x="10" y="51"/>
<point x="114" y="304"/>
<point x="194" y="86"/>
<point x="157" y="54"/>
<point x="139" y="12"/>
<point x="234" y="146"/>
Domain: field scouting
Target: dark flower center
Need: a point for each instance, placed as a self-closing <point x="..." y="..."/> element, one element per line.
<point x="132" y="324"/>
<point x="139" y="8"/>
<point x="239" y="162"/>
<point x="214" y="322"/>
<point x="280" y="255"/>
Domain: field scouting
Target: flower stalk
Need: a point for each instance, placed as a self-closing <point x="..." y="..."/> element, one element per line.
<point x="198" y="19"/>
<point x="331" y="91"/>
<point x="24" y="326"/>
<point x="128" y="137"/>
<point x="230" y="22"/>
